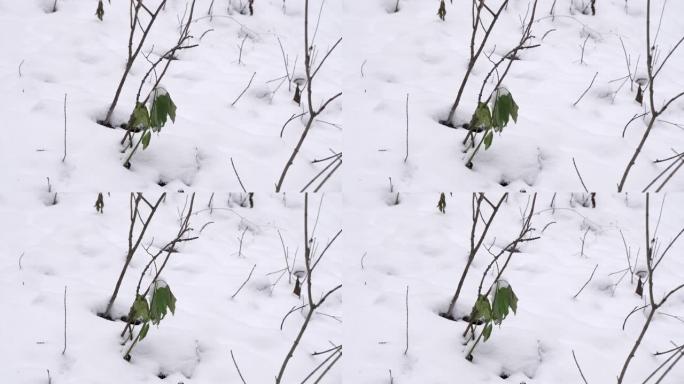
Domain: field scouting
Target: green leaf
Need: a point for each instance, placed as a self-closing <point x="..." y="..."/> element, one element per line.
<point x="487" y="331"/>
<point x="504" y="298"/>
<point x="500" y="112"/>
<point x="500" y="305"/>
<point x="146" y="138"/>
<point x="143" y="331"/>
<point x="481" y="116"/>
<point x="514" y="301"/>
<point x="140" y="117"/>
<point x="489" y="136"/>
<point x="140" y="309"/>
<point x="514" y="109"/>
<point x="504" y="108"/>
<point x="162" y="106"/>
<point x="482" y="308"/>
<point x="162" y="298"/>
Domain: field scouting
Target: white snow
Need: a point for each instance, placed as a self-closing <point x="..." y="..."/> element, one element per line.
<point x="45" y="248"/>
<point x="399" y="68"/>
<point x="48" y="55"/>
<point x="413" y="52"/>
<point x="412" y="244"/>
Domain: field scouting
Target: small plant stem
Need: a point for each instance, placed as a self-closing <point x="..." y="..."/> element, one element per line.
<point x="244" y="90"/>
<point x="132" y="247"/>
<point x="407" y="115"/>
<point x="236" y="367"/>
<point x="470" y="352"/>
<point x="131" y="53"/>
<point x="474" y="246"/>
<point x="65" y="320"/>
<point x="407" y="321"/>
<point x="327" y="177"/>
<point x="469" y="163"/>
<point x="135" y="148"/>
<point x="578" y="367"/>
<point x="237" y="175"/>
<point x="245" y="282"/>
<point x="65" y="127"/>
<point x="586" y="90"/>
<point x="135" y="341"/>
<point x="585" y="284"/>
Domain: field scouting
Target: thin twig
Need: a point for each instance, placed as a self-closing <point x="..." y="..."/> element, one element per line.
<point x="585" y="284"/>
<point x="65" y="320"/>
<point x="244" y="90"/>
<point x="579" y="175"/>
<point x="242" y="237"/>
<point x="578" y="367"/>
<point x="245" y="282"/>
<point x="65" y="127"/>
<point x="407" y="124"/>
<point x="407" y="321"/>
<point x="241" y="45"/>
<point x="339" y="163"/>
<point x="290" y="119"/>
<point x="236" y="367"/>
<point x="586" y="90"/>
<point x="237" y="175"/>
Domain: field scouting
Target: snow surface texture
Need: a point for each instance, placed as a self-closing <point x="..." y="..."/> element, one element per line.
<point x="70" y="51"/>
<point x="42" y="252"/>
<point x="397" y="59"/>
<point x="412" y="244"/>
<point x="413" y="52"/>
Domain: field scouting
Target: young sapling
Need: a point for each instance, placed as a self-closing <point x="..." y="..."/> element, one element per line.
<point x="492" y="117"/>
<point x="151" y="117"/>
<point x="492" y="309"/>
<point x="151" y="309"/>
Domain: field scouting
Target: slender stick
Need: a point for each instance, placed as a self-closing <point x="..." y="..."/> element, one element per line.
<point x="245" y="282"/>
<point x="579" y="175"/>
<point x="339" y="163"/>
<point x="585" y="284"/>
<point x="327" y="369"/>
<point x="335" y="157"/>
<point x="65" y="320"/>
<point x="586" y="90"/>
<point x="236" y="367"/>
<point x="407" y="321"/>
<point x="65" y="127"/>
<point x="244" y="90"/>
<point x="578" y="367"/>
<point x="242" y="237"/>
<point x="407" y="122"/>
<point x="237" y="175"/>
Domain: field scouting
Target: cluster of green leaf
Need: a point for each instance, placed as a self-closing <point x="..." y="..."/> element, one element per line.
<point x="147" y="120"/>
<point x="441" y="204"/>
<point x="441" y="12"/>
<point x="99" y="12"/>
<point x="161" y="301"/>
<point x="492" y="117"/>
<point x="490" y="313"/>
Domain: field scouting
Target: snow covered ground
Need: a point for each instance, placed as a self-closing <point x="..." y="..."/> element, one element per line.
<point x="399" y="68"/>
<point x="413" y="245"/>
<point x="48" y="55"/>
<point x="47" y="247"/>
<point x="392" y="54"/>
